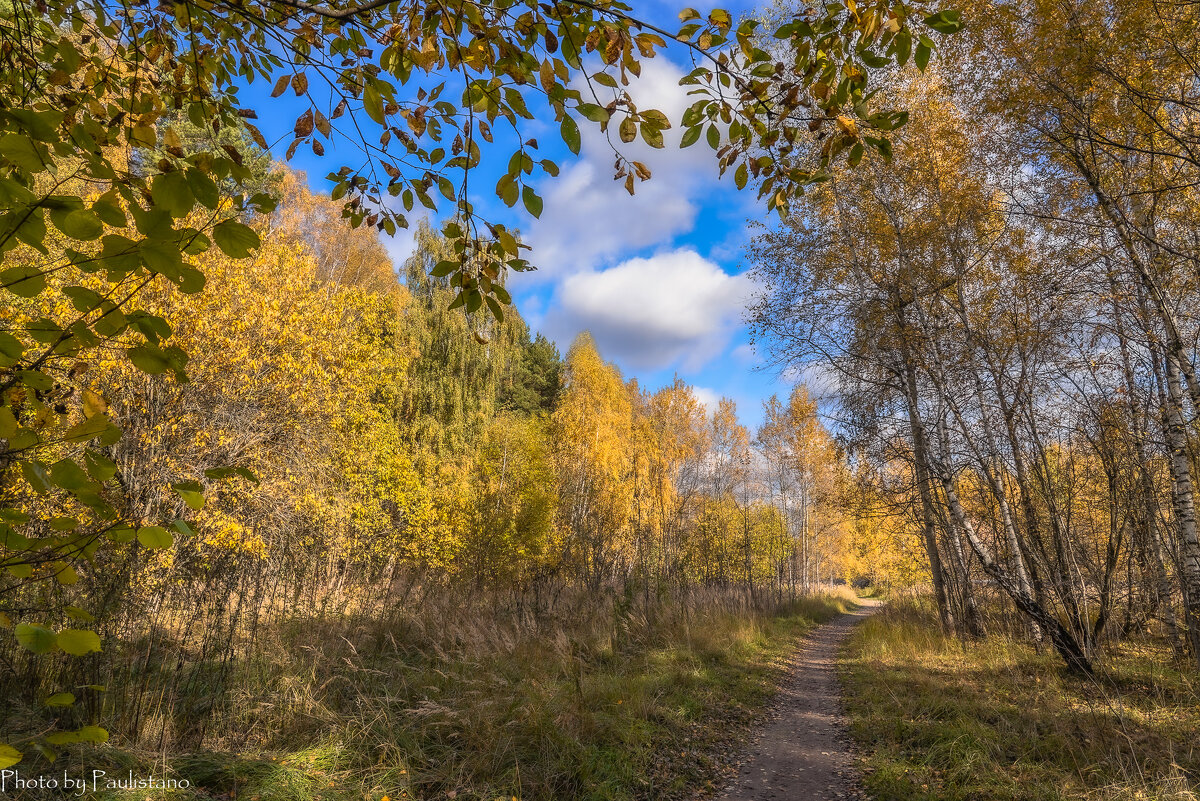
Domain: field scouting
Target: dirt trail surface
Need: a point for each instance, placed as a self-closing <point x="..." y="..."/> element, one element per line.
<point x="803" y="753"/>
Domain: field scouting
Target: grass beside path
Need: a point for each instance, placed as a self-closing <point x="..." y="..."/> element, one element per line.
<point x="996" y="720"/>
<point x="360" y="712"/>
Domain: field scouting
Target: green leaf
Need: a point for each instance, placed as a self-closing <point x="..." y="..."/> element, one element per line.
<point x="656" y="118"/>
<point x="161" y="256"/>
<point x="921" y="56"/>
<point x="61" y="699"/>
<point x="89" y="429"/>
<point x="48" y="753"/>
<point x="78" y="642"/>
<point x="495" y="308"/>
<point x="68" y="475"/>
<point x="38" y="639"/>
<point x="191" y="280"/>
<point x="533" y="203"/>
<point x="82" y="615"/>
<point x="593" y="112"/>
<point x="149" y="359"/>
<point x="235" y="239"/>
<point x="652" y="135"/>
<point x="65" y="574"/>
<point x="172" y="193"/>
<point x="570" y="134"/>
<point x="223" y="473"/>
<point x="36" y="379"/>
<point x="944" y="21"/>
<point x="82" y="298"/>
<point x="192" y="493"/>
<point x="20" y="150"/>
<point x="110" y="213"/>
<point x="24" y="280"/>
<point x="62" y="738"/>
<point x="35" y="474"/>
<point x="122" y="534"/>
<point x="92" y="734"/>
<point x="373" y="103"/>
<point x="155" y="538"/>
<point x="444" y="268"/>
<point x="11" y="349"/>
<point x="203" y="188"/>
<point x="79" y="224"/>
<point x="903" y="45"/>
<point x="9" y="756"/>
<point x="99" y="467"/>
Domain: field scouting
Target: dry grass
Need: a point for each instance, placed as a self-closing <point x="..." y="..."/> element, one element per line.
<point x="997" y="720"/>
<point x="598" y="701"/>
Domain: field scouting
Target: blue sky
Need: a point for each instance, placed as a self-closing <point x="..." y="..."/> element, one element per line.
<point x="657" y="278"/>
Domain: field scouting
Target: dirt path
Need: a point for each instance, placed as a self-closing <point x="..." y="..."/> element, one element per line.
<point x="803" y="753"/>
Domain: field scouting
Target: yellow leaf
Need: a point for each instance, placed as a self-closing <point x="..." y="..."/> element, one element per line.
<point x="93" y="403"/>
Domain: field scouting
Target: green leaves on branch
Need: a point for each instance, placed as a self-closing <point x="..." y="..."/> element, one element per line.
<point x="37" y="639"/>
<point x="945" y="22"/>
<point x="800" y="110"/>
<point x="576" y="61"/>
<point x="41" y="640"/>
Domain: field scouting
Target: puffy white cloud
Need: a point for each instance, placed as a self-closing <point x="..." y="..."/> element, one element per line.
<point x="672" y="308"/>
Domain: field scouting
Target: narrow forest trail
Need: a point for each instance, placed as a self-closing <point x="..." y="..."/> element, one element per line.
<point x="803" y="752"/>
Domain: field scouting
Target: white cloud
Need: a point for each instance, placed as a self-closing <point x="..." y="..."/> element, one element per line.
<point x="672" y="308"/>
<point x="590" y="219"/>
<point x="710" y="398"/>
<point x="403" y="244"/>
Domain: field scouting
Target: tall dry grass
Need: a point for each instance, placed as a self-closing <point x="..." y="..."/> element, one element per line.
<point x="997" y="719"/>
<point x="615" y="696"/>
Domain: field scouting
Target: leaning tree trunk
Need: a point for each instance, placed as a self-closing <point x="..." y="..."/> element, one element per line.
<point x="1064" y="641"/>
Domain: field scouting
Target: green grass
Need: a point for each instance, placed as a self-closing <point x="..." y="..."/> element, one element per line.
<point x="473" y="709"/>
<point x="940" y="719"/>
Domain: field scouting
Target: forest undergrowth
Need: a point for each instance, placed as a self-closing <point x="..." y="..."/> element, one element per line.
<point x="594" y="702"/>
<point x="939" y="718"/>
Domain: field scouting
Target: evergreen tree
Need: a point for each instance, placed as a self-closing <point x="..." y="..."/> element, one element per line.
<point x="534" y="380"/>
